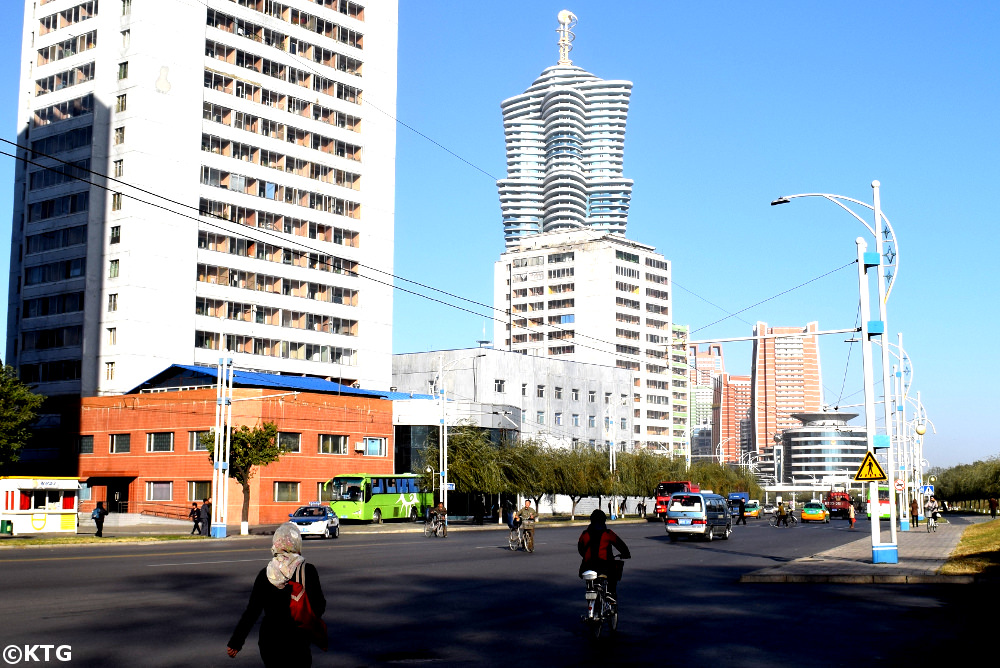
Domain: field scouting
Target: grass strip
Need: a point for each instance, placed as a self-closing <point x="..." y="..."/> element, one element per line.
<point x="977" y="552"/>
<point x="83" y="540"/>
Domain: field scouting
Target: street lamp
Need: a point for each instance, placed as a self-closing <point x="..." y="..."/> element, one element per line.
<point x="886" y="259"/>
<point x="443" y="454"/>
<point x="719" y="448"/>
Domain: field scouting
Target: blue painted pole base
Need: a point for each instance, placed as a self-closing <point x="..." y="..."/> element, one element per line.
<point x="218" y="531"/>
<point x="882" y="554"/>
<point x="904" y="525"/>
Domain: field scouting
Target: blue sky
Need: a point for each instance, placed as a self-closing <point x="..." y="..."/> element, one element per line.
<point x="733" y="105"/>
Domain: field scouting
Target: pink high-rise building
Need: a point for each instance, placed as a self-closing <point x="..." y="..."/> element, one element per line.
<point x="731" y="411"/>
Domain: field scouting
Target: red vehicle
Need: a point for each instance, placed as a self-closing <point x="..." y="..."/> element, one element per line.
<point x="665" y="489"/>
<point x="838" y="503"/>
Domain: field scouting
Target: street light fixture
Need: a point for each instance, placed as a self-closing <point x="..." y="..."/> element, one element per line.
<point x="886" y="259"/>
<point x="443" y="454"/>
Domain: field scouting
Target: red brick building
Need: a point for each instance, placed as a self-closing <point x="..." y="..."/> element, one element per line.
<point x="141" y="452"/>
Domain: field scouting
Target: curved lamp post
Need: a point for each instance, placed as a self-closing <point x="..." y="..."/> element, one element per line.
<point x="886" y="259"/>
<point x="443" y="453"/>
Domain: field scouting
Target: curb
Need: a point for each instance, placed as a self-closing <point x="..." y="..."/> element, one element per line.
<point x="862" y="579"/>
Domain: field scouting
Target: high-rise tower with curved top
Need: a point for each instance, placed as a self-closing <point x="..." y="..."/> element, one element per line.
<point x="565" y="140"/>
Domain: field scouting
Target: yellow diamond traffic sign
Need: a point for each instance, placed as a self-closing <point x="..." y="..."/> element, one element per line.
<point x="870" y="470"/>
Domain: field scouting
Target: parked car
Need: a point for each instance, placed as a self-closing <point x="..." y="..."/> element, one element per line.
<point x="815" y="511"/>
<point x="316" y="520"/>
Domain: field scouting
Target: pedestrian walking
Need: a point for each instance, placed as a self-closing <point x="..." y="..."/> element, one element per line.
<point x="851" y="515"/>
<point x="915" y="512"/>
<point x="993" y="507"/>
<point x="195" y="516"/>
<point x="743" y="512"/>
<point x="205" y="514"/>
<point x="283" y="643"/>
<point x="100" y="512"/>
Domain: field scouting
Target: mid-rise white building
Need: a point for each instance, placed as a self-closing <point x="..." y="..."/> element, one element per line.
<point x="250" y="190"/>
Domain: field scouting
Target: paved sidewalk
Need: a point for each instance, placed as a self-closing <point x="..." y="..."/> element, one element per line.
<point x="921" y="556"/>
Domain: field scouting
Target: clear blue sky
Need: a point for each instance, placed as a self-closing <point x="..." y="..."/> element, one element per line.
<point x="733" y="105"/>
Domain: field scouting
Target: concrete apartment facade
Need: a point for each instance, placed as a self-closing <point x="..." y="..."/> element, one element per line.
<point x="249" y="190"/>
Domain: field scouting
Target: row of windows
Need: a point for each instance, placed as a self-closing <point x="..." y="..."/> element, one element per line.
<point x="67" y="302"/>
<point x="328" y="444"/>
<point x="197" y="490"/>
<point x="64" y="141"/>
<point x="64" y="111"/>
<point x="59" y="174"/>
<point x="263" y="251"/>
<point x="248" y="280"/>
<point x="314" y="23"/>
<point x="557" y="420"/>
<point x="293" y="105"/>
<point x="280" y="161"/>
<point x="279" y="223"/>
<point x="67" y="17"/>
<point x="67" y="48"/>
<point x="58" y="337"/>
<point x="274" y="191"/>
<point x="55" y="239"/>
<point x="71" y="77"/>
<point x="295" y="350"/>
<point x="50" y="372"/>
<point x="267" y="315"/>
<point x="627" y="257"/>
<point x="55" y="271"/>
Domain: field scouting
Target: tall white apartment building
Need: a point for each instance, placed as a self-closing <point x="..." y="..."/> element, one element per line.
<point x="248" y="147"/>
<point x="571" y="285"/>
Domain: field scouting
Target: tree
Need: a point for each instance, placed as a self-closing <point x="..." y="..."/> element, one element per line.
<point x="248" y="448"/>
<point x="579" y="473"/>
<point x="18" y="407"/>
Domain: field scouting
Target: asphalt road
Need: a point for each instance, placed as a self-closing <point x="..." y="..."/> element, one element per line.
<point x="400" y="599"/>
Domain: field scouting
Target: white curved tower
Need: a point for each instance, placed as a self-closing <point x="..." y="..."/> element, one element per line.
<point x="565" y="139"/>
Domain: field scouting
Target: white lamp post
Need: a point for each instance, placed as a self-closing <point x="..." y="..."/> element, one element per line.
<point x="443" y="450"/>
<point x="886" y="258"/>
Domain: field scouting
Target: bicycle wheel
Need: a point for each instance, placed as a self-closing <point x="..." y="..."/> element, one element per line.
<point x="442" y="530"/>
<point x="529" y="541"/>
<point x="512" y="541"/>
<point x="613" y="618"/>
<point x="773" y="521"/>
<point x="428" y="532"/>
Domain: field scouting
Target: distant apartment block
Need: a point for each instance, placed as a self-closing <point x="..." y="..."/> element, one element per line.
<point x="731" y="409"/>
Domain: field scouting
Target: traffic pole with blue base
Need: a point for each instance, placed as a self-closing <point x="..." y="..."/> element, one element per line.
<point x="881" y="554"/>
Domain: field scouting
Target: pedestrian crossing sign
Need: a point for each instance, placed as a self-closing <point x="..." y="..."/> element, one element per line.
<point x="870" y="470"/>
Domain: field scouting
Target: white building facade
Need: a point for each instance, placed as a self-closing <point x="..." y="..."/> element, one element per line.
<point x="250" y="190"/>
<point x="557" y="401"/>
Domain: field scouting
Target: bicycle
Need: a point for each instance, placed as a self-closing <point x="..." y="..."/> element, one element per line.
<point x="601" y="605"/>
<point x="520" y="538"/>
<point x="932" y="521"/>
<point x="436" y="526"/>
<point x="776" y="520"/>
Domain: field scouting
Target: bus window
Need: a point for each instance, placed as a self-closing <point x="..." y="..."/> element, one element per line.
<point x="391" y="487"/>
<point x="377" y="486"/>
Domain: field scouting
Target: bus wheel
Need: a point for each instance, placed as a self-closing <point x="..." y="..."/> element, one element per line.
<point x="377" y="516"/>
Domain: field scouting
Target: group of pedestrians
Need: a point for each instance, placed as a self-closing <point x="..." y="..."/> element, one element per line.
<point x="202" y="517"/>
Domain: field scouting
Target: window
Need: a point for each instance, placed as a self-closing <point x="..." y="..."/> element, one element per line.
<point x="324" y="492"/>
<point x="160" y="442"/>
<point x="607" y="397"/>
<point x="558" y="393"/>
<point x="524" y="389"/>
<point x="575" y="394"/>
<point x="199" y="489"/>
<point x="116" y="234"/>
<point x="116" y="201"/>
<point x="109" y="371"/>
<point x="113" y="269"/>
<point x="331" y="444"/>
<point x="159" y="491"/>
<point x="540" y="417"/>
<point x="126" y="7"/>
<point x="286" y="491"/>
<point x="120" y="443"/>
<point x="592" y="396"/>
<point x="119" y="136"/>
<point x="375" y="447"/>
<point x="85" y="446"/>
<point x="123" y="70"/>
<point x="112" y="303"/>
<point x="498" y="385"/>
<point x="540" y="392"/>
<point x="289" y="442"/>
<point x="112" y="336"/>
<point x="126" y="38"/>
<point x="558" y="419"/>
<point x="120" y="104"/>
<point x="576" y="420"/>
<point x="119" y="168"/>
<point x="624" y="424"/>
<point x="196" y="442"/>
<point x="592" y="421"/>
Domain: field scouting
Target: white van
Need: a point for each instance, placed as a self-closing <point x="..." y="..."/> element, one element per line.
<point x="700" y="514"/>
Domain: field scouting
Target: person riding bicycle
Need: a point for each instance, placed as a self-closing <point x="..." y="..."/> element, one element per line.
<point x="595" y="547"/>
<point x="930" y="508"/>
<point x="526" y="517"/>
<point x="782" y="514"/>
<point x="438" y="513"/>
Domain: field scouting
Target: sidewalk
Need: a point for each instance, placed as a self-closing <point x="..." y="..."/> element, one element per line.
<point x="921" y="556"/>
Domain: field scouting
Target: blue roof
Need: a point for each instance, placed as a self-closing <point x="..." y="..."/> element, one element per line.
<point x="181" y="375"/>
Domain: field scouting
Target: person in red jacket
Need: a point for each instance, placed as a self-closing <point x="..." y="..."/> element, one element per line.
<point x="595" y="547"/>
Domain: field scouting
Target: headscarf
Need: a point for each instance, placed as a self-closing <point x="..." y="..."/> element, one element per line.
<point x="286" y="549"/>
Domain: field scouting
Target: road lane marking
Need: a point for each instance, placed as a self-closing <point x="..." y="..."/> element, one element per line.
<point x="199" y="563"/>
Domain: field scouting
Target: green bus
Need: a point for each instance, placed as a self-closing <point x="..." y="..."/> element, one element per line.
<point x="373" y="497"/>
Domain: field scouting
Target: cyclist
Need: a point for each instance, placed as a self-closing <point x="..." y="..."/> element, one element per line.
<point x="782" y="514"/>
<point x="930" y="508"/>
<point x="526" y="517"/>
<point x="595" y="547"/>
<point x="439" y="514"/>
